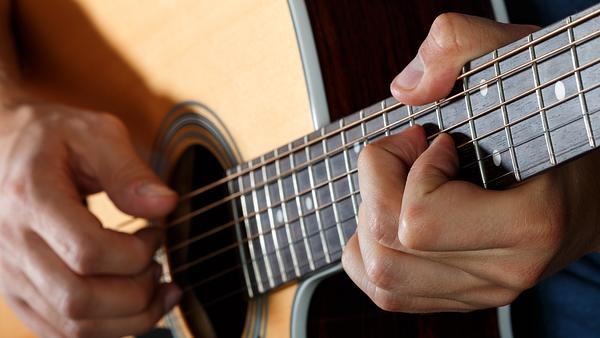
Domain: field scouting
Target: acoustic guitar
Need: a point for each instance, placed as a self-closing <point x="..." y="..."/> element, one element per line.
<point x="212" y="90"/>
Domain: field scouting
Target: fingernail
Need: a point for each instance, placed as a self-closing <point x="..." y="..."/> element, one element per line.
<point x="154" y="190"/>
<point x="172" y="297"/>
<point x="410" y="77"/>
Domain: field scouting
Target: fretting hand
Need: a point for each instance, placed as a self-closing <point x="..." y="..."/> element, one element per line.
<point x="428" y="243"/>
<point x="60" y="270"/>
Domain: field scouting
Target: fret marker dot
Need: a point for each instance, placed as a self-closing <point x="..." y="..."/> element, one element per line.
<point x="483" y="89"/>
<point x="559" y="90"/>
<point x="279" y="216"/>
<point x="308" y="203"/>
<point x="356" y="148"/>
<point x="497" y="158"/>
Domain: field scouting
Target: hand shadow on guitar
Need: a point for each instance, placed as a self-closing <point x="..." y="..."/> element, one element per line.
<point x="66" y="59"/>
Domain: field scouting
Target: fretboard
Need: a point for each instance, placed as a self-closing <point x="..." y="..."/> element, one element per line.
<point x="517" y="111"/>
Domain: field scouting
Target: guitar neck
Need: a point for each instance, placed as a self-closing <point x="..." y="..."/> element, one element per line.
<point x="519" y="111"/>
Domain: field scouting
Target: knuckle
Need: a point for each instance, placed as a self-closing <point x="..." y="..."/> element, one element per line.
<point x="415" y="230"/>
<point x="82" y="256"/>
<point x="142" y="292"/>
<point x="73" y="303"/>
<point x="17" y="187"/>
<point x="384" y="301"/>
<point x="108" y="125"/>
<point x="524" y="277"/>
<point x="382" y="226"/>
<point x="378" y="272"/>
<point x="503" y="297"/>
<point x="444" y="36"/>
<point x="365" y="157"/>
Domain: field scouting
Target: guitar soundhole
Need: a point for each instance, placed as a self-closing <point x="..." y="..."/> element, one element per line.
<point x="214" y="301"/>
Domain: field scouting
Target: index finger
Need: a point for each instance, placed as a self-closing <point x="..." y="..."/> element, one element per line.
<point x="382" y="170"/>
<point x="79" y="239"/>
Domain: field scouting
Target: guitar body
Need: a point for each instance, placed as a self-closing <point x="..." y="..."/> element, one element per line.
<point x="204" y="85"/>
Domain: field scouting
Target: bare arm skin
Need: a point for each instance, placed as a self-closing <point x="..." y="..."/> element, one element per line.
<point x="426" y="242"/>
<point x="60" y="270"/>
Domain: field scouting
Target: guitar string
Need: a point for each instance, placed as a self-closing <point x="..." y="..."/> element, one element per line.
<point x="428" y="109"/>
<point x="300" y="267"/>
<point x="314" y="210"/>
<point x="240" y="290"/>
<point x="188" y="242"/>
<point x="222" y="250"/>
<point x="223" y="272"/>
<point x="559" y="126"/>
<point x="258" y="212"/>
<point x="349" y="173"/>
<point x="196" y="285"/>
<point x="298" y="241"/>
<point x="398" y="123"/>
<point x="433" y="106"/>
<point x="583" y="143"/>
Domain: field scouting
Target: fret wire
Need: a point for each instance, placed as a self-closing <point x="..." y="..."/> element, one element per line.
<point x="505" y="120"/>
<point x="193" y="214"/>
<point x="424" y="110"/>
<point x="363" y="128"/>
<point x="385" y="118"/>
<point x="285" y="216"/>
<point x="540" y="100"/>
<point x="358" y="191"/>
<point x="251" y="215"/>
<point x="582" y="100"/>
<point x="321" y="207"/>
<point x="238" y="234"/>
<point x="261" y="238"/>
<point x="257" y="275"/>
<point x="514" y="122"/>
<point x="350" y="184"/>
<point x="473" y="131"/>
<point x="441" y="102"/>
<point x="536" y="164"/>
<point x="354" y="193"/>
<point x="315" y="204"/>
<point x="438" y="115"/>
<point x="194" y="286"/>
<point x="222" y="250"/>
<point x="332" y="195"/>
<point x="272" y="222"/>
<point x="309" y="257"/>
<point x="375" y="132"/>
<point x="577" y="145"/>
<point x="409" y="110"/>
<point x="537" y="111"/>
